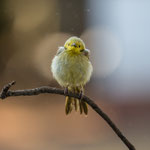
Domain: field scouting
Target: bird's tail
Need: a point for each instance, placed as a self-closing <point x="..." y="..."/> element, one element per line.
<point x="73" y="103"/>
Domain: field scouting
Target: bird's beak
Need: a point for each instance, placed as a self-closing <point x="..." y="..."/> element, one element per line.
<point x="74" y="44"/>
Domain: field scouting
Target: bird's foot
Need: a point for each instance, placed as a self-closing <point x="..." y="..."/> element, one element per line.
<point x="80" y="95"/>
<point x="66" y="91"/>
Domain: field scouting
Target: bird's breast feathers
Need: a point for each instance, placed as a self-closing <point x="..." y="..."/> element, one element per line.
<point x="71" y="69"/>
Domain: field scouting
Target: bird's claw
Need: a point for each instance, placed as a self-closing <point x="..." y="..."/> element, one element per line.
<point x="66" y="91"/>
<point x="80" y="95"/>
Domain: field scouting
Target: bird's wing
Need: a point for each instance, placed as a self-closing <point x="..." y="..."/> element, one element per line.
<point x="86" y="52"/>
<point x="60" y="50"/>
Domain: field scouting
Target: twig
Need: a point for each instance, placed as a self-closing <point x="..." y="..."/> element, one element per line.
<point x="45" y="89"/>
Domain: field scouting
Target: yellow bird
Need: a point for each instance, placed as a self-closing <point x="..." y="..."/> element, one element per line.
<point x="72" y="69"/>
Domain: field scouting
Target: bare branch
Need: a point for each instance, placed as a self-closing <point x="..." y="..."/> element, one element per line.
<point x="45" y="89"/>
<point x="5" y="89"/>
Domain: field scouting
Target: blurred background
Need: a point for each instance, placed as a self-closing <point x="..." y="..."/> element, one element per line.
<point x="117" y="33"/>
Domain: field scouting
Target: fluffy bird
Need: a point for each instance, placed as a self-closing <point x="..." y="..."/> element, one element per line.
<point x="72" y="69"/>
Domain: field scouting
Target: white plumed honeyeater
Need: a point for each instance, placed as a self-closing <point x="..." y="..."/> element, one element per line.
<point x="72" y="69"/>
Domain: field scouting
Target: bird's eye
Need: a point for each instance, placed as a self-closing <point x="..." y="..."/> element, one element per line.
<point x="79" y="46"/>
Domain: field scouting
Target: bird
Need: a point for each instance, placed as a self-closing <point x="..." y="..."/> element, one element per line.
<point x="72" y="69"/>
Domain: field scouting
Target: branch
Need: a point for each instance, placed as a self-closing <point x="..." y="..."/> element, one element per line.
<point x="45" y="89"/>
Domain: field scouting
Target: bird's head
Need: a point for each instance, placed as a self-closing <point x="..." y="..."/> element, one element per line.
<point x="74" y="45"/>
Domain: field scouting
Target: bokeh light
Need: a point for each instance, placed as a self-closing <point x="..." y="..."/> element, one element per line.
<point x="116" y="32"/>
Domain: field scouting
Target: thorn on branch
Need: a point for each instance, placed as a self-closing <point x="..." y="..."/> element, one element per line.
<point x="5" y="89"/>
